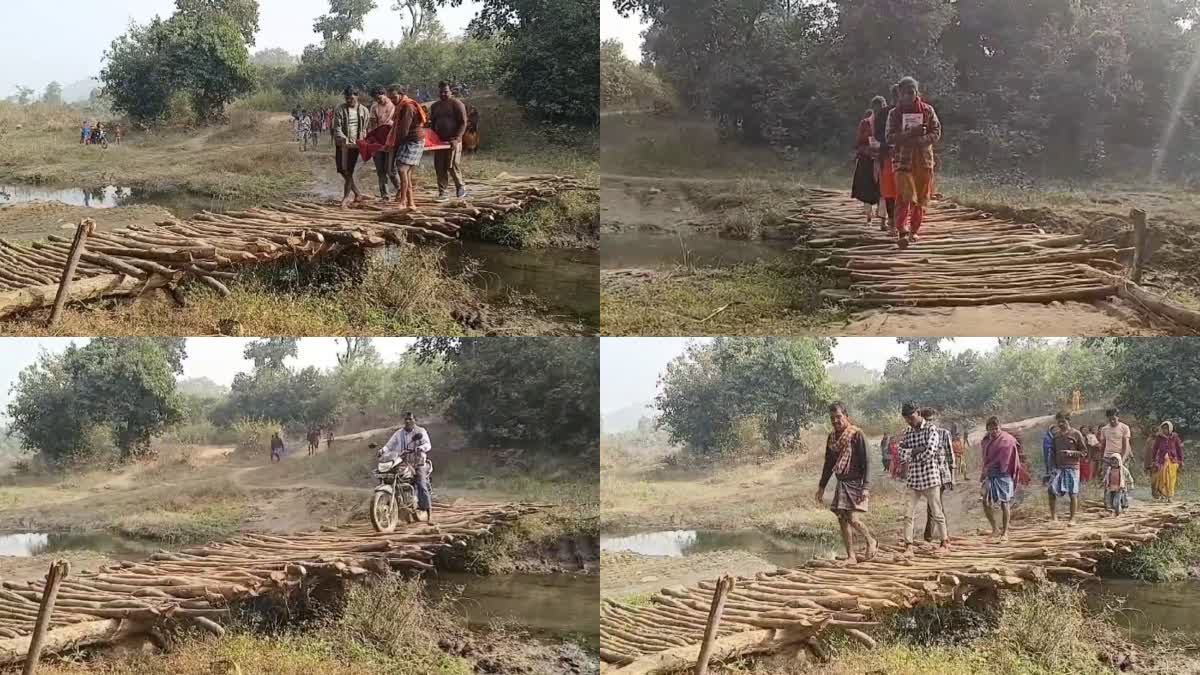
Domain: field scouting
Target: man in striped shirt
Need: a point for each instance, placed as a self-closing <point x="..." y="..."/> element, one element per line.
<point x="921" y="453"/>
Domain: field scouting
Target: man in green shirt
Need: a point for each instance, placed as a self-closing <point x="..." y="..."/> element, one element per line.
<point x="350" y="125"/>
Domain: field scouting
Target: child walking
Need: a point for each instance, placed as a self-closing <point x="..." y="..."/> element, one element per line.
<point x="1117" y="483"/>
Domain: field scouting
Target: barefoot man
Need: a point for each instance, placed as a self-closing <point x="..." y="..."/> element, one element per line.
<point x="408" y="142"/>
<point x="846" y="457"/>
<point x="921" y="451"/>
<point x="349" y="127"/>
<point x="1001" y="463"/>
<point x="1067" y="448"/>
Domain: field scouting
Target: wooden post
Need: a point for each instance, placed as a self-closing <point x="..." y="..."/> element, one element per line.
<point x="86" y="226"/>
<point x="1141" y="243"/>
<point x="724" y="586"/>
<point x="59" y="570"/>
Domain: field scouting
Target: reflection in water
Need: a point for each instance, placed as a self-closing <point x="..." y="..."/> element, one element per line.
<point x="29" y="544"/>
<point x="1145" y="609"/>
<point x="550" y="604"/>
<point x="779" y="551"/>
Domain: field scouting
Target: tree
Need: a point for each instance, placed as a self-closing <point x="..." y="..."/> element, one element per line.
<point x="53" y="94"/>
<point x="422" y="16"/>
<point x="778" y="383"/>
<point x="344" y="17"/>
<point x="200" y="54"/>
<point x="539" y="393"/>
<point x="274" y="57"/>
<point x="124" y="387"/>
<point x="243" y="13"/>
<point x="23" y="94"/>
<point x="1157" y="379"/>
<point x="357" y="348"/>
<point x="551" y="52"/>
<point x="270" y="353"/>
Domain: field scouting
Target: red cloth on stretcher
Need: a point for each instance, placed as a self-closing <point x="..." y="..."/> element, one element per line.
<point x="376" y="141"/>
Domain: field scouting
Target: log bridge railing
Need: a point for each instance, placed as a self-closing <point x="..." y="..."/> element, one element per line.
<point x="791" y="608"/>
<point x="210" y="247"/>
<point x="201" y="585"/>
<point x="968" y="257"/>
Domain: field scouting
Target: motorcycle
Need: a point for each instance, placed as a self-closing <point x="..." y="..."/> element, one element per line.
<point x="395" y="497"/>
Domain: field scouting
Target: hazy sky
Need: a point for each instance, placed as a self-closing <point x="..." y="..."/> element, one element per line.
<point x="80" y="31"/>
<point x="629" y="367"/>
<point x="627" y="30"/>
<point x="216" y="358"/>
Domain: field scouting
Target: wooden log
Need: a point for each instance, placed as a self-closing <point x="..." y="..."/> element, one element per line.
<point x="59" y="570"/>
<point x="1141" y="244"/>
<point x="1128" y="288"/>
<point x="724" y="585"/>
<point x="82" y="231"/>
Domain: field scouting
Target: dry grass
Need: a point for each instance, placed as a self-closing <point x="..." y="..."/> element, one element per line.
<point x="775" y="495"/>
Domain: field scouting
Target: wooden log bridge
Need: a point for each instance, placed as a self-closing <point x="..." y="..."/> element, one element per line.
<point x="210" y="247"/>
<point x="964" y="257"/>
<point x="790" y="608"/>
<point x="201" y="585"/>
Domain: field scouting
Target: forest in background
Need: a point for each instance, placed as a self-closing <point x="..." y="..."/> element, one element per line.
<point x="106" y="402"/>
<point x="744" y="396"/>
<point x="187" y="67"/>
<point x="1024" y="88"/>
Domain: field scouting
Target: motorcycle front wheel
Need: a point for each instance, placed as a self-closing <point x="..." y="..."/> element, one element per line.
<point x="384" y="512"/>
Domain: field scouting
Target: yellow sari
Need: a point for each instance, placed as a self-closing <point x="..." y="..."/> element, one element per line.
<point x="1165" y="478"/>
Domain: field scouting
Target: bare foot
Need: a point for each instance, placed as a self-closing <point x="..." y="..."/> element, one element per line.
<point x="872" y="548"/>
<point x="1070" y="522"/>
<point x="851" y="560"/>
<point x="345" y="204"/>
<point x="1004" y="538"/>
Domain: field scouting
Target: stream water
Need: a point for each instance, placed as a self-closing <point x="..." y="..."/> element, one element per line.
<point x="663" y="251"/>
<point x="780" y="551"/>
<point x="29" y="544"/>
<point x="566" y="282"/>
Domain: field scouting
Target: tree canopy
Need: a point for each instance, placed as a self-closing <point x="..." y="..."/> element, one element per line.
<point x="121" y="387"/>
<point x="1044" y="86"/>
<point x="539" y="393"/>
<point x="779" y="383"/>
<point x="199" y="52"/>
<point x="1157" y="379"/>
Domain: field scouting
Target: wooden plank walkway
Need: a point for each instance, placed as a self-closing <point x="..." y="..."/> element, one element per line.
<point x="211" y="247"/>
<point x="964" y="257"/>
<point x="201" y="584"/>
<point x="792" y="606"/>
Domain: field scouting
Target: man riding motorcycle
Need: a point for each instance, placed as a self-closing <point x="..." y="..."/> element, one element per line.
<point x="414" y="440"/>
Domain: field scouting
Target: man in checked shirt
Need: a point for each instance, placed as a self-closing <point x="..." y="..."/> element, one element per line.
<point x="921" y="452"/>
<point x="930" y="416"/>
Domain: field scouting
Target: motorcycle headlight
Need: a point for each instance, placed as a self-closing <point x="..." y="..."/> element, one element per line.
<point x="385" y="467"/>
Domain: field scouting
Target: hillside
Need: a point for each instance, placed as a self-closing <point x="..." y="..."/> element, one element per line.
<point x="627" y="418"/>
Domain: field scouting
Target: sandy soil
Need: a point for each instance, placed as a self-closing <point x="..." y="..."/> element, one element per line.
<point x="35" y="567"/>
<point x="35" y="220"/>
<point x="626" y="574"/>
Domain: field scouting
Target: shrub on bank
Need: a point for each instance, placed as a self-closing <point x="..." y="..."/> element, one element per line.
<point x="254" y="435"/>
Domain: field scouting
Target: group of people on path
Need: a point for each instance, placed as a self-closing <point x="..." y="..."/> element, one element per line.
<point x="308" y="126"/>
<point x="894" y="172"/>
<point x="96" y="134"/>
<point x="391" y="131"/>
<point x="928" y="458"/>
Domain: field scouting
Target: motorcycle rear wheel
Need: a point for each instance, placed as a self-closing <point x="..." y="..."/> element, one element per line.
<point x="384" y="512"/>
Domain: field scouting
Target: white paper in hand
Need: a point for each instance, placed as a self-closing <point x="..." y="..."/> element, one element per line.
<point x="912" y="120"/>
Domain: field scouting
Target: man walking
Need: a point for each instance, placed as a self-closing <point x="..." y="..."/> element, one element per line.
<point x="1001" y="464"/>
<point x="920" y="451"/>
<point x="449" y="117"/>
<point x="382" y="112"/>
<point x="407" y="142"/>
<point x="945" y="445"/>
<point x="1067" y="448"/>
<point x="1115" y="437"/>
<point x="349" y="127"/>
<point x="846" y="457"/>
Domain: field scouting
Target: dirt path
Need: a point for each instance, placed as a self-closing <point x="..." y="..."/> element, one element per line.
<point x="653" y="207"/>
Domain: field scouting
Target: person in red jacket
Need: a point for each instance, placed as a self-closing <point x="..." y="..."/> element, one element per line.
<point x="912" y="130"/>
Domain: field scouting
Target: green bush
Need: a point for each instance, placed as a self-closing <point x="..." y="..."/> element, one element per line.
<point x="254" y="435"/>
